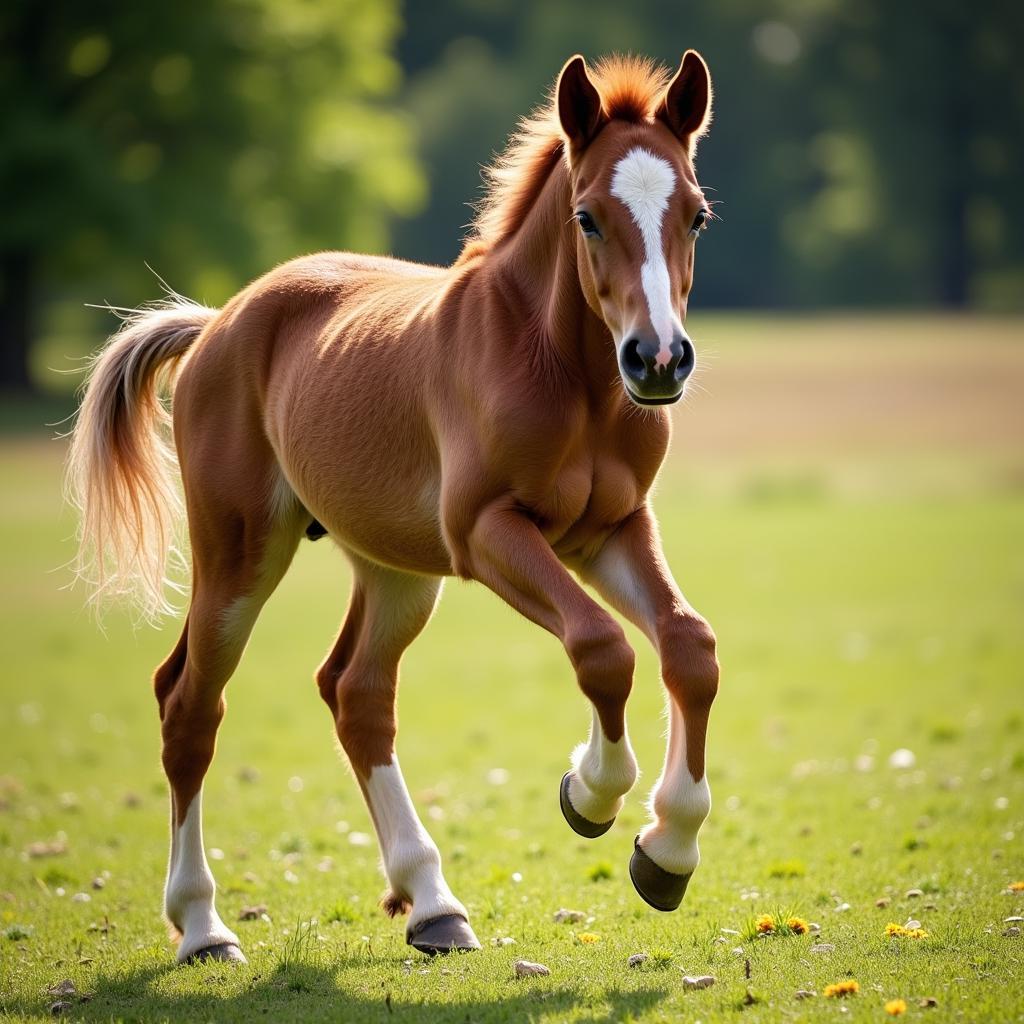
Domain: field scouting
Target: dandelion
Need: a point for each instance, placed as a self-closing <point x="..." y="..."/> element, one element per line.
<point x="765" y="924"/>
<point x="1016" y="887"/>
<point x="898" y="931"/>
<point x="842" y="989"/>
<point x="588" y="938"/>
<point x="894" y="1007"/>
<point x="797" y="925"/>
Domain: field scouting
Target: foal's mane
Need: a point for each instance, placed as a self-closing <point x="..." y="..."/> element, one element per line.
<point x="631" y="88"/>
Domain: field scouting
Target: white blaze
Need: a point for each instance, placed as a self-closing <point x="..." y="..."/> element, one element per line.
<point x="645" y="183"/>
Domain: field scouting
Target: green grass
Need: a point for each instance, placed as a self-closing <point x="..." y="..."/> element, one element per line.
<point x="852" y="622"/>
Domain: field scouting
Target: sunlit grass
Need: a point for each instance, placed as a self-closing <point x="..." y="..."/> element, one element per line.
<point x="852" y="624"/>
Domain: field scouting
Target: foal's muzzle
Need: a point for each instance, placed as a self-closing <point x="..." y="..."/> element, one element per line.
<point x="650" y="378"/>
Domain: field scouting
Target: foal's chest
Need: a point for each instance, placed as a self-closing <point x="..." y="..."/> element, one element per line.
<point x="587" y="497"/>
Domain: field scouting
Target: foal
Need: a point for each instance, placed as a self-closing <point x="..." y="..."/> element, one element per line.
<point x="500" y="420"/>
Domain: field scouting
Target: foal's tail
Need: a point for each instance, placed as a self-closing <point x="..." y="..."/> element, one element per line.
<point x="122" y="467"/>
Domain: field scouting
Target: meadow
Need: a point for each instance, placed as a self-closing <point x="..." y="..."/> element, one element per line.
<point x="844" y="502"/>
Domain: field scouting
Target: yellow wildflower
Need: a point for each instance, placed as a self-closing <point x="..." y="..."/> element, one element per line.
<point x="895" y="1007"/>
<point x="765" y="924"/>
<point x="797" y="925"/>
<point x="588" y="937"/>
<point x="898" y="931"/>
<point x="1016" y="887"/>
<point x="842" y="989"/>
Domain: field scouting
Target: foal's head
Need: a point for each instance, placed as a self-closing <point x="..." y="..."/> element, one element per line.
<point x="640" y="211"/>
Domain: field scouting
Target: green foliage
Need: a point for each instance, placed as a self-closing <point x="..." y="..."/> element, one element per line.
<point x="862" y="154"/>
<point x="211" y="140"/>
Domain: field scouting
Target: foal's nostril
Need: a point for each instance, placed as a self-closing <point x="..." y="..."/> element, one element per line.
<point x="687" y="360"/>
<point x="632" y="361"/>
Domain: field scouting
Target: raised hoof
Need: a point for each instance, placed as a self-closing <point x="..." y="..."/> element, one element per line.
<point x="448" y="934"/>
<point x="226" y="952"/>
<point x="580" y="825"/>
<point x="660" y="888"/>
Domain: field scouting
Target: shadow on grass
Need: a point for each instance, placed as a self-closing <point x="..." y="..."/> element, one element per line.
<point x="348" y="989"/>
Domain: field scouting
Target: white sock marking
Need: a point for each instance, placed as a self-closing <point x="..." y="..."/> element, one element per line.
<point x="411" y="858"/>
<point x="645" y="183"/>
<point x="605" y="772"/>
<point x="679" y="806"/>
<point x="190" y="892"/>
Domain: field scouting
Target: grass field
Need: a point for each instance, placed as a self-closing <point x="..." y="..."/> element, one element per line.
<point x="846" y="505"/>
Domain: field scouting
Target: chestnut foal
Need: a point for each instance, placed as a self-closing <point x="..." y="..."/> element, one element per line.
<point x="501" y="420"/>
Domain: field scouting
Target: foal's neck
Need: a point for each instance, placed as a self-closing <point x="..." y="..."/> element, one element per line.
<point x="538" y="262"/>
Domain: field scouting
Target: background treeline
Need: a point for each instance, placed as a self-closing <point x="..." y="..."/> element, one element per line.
<point x="865" y="153"/>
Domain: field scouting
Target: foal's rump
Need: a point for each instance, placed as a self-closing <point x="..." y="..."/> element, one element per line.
<point x="304" y="391"/>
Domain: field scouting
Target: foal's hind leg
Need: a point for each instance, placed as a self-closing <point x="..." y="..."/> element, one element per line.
<point x="239" y="555"/>
<point x="358" y="681"/>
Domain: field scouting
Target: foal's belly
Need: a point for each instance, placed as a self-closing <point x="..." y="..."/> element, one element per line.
<point x="365" y="467"/>
<point x="377" y="505"/>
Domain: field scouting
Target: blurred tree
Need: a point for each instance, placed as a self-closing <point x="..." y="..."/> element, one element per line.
<point x="211" y="139"/>
<point x="864" y="154"/>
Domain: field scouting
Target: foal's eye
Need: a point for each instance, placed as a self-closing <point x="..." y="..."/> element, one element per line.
<point x="587" y="225"/>
<point x="698" y="223"/>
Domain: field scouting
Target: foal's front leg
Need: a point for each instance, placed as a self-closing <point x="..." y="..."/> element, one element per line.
<point x="631" y="573"/>
<point x="509" y="554"/>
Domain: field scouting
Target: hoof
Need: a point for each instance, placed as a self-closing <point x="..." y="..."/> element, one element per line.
<point x="660" y="888"/>
<point x="580" y="825"/>
<point x="226" y="952"/>
<point x="448" y="934"/>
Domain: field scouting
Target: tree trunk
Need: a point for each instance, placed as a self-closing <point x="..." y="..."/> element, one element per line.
<point x="16" y="309"/>
<point x="955" y="259"/>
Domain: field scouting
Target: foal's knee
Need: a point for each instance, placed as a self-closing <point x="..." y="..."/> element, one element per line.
<point x="604" y="664"/>
<point x="690" y="662"/>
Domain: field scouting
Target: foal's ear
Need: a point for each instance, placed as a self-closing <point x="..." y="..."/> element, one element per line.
<point x="686" y="108"/>
<point x="579" y="104"/>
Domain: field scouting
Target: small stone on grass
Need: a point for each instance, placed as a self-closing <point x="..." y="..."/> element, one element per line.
<point x="528" y="969"/>
<point x="698" y="981"/>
